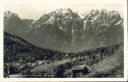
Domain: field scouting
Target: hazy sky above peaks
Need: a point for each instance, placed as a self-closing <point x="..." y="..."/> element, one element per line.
<point x="34" y="11"/>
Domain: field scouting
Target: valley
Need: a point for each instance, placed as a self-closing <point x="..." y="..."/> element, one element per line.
<point x="37" y="62"/>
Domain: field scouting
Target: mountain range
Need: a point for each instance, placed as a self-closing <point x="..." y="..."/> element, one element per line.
<point x="66" y="31"/>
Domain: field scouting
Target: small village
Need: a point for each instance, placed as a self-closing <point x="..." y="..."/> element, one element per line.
<point x="71" y="67"/>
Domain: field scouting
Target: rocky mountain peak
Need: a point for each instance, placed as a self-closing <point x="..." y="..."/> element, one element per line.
<point x="61" y="18"/>
<point x="97" y="18"/>
<point x="63" y="11"/>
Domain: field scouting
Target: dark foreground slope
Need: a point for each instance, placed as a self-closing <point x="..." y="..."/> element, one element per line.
<point x="17" y="49"/>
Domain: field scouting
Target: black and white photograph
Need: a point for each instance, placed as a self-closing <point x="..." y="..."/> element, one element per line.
<point x="63" y="40"/>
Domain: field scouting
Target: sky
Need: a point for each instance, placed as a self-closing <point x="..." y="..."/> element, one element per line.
<point x="35" y="10"/>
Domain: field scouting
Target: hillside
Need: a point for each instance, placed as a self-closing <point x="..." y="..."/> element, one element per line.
<point x="17" y="49"/>
<point x="109" y="67"/>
